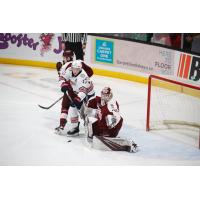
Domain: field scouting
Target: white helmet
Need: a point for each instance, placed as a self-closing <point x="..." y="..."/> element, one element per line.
<point x="77" y="64"/>
<point x="106" y="94"/>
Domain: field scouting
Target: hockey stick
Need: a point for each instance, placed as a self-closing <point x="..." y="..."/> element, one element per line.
<point x="81" y="111"/>
<point x="43" y="107"/>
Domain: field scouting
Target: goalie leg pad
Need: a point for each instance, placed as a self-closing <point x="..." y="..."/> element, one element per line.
<point x="112" y="144"/>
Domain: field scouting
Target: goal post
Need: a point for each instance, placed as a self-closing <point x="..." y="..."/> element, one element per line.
<point x="172" y="102"/>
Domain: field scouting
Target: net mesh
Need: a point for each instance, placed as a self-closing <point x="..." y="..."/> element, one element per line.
<point x="174" y="104"/>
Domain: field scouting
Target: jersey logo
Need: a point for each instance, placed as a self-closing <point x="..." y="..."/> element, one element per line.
<point x="86" y="80"/>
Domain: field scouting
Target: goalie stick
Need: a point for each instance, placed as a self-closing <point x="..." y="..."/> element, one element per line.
<point x="43" y="107"/>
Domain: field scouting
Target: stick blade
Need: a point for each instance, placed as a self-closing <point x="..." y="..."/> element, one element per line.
<point x="43" y="107"/>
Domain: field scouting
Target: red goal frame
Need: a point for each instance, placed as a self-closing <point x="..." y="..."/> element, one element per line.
<point x="149" y="96"/>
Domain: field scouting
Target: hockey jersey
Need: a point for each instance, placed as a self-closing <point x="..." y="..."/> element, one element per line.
<point x="85" y="67"/>
<point x="80" y="84"/>
<point x="107" y="114"/>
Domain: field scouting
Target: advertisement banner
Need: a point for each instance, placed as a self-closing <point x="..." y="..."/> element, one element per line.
<point x="31" y="46"/>
<point x="132" y="55"/>
<point x="189" y="67"/>
<point x="104" y="51"/>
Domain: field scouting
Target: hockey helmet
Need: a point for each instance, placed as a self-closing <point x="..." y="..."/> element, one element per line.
<point x="77" y="64"/>
<point x="106" y="94"/>
<point x="68" y="55"/>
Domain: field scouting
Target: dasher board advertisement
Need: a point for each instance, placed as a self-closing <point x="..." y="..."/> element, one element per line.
<point x="188" y="67"/>
<point x="31" y="46"/>
<point x="132" y="55"/>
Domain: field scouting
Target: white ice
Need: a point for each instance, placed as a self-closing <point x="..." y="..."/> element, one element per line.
<point x="27" y="131"/>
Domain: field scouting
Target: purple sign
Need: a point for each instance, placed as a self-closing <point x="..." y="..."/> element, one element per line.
<point x="59" y="50"/>
<point x="20" y="39"/>
<point x="7" y="39"/>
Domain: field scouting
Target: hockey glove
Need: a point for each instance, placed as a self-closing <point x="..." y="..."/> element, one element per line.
<point x="58" y="66"/>
<point x="66" y="86"/>
<point x="78" y="102"/>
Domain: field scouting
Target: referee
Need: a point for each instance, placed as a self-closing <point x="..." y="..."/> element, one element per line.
<point x="75" y="42"/>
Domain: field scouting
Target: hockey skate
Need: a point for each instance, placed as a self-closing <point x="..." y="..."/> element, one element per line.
<point x="74" y="132"/>
<point x="133" y="147"/>
<point x="59" y="130"/>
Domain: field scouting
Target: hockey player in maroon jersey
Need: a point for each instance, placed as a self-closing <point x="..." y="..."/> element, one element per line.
<point x="67" y="59"/>
<point x="71" y="77"/>
<point x="109" y="120"/>
<point x="108" y="123"/>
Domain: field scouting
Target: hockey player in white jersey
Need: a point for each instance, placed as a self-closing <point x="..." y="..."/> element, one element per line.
<point x="76" y="83"/>
<point x="66" y="107"/>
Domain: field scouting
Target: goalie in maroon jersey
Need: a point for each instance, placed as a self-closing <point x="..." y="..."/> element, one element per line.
<point x="108" y="123"/>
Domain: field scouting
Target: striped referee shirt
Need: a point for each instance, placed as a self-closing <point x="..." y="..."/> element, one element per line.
<point x="75" y="37"/>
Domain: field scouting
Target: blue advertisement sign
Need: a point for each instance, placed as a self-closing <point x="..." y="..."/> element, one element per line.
<point x="104" y="51"/>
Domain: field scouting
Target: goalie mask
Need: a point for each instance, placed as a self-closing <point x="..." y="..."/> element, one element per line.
<point x="68" y="55"/>
<point x="106" y="94"/>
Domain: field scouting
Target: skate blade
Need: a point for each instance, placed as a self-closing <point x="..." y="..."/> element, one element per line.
<point x="135" y="150"/>
<point x="74" y="135"/>
<point x="57" y="133"/>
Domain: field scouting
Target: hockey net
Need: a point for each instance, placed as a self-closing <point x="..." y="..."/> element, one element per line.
<point x="172" y="104"/>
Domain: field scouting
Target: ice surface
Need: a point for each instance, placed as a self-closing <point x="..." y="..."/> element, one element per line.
<point x="26" y="131"/>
